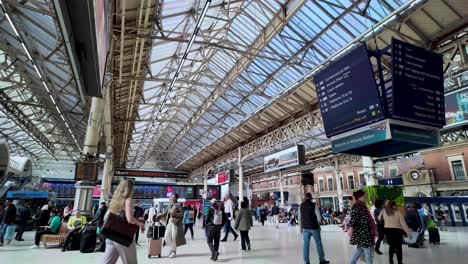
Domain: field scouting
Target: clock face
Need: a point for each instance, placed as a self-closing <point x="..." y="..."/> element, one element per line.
<point x="415" y="175"/>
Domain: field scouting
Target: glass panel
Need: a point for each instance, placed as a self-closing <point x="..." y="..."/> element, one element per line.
<point x="458" y="171"/>
<point x="351" y="182"/>
<point x="393" y="172"/>
<point x="330" y="184"/>
<point x="456" y="212"/>
<point x="362" y="179"/>
<point x="322" y="189"/>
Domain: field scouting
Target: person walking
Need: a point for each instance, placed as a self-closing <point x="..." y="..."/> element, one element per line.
<point x="8" y="223"/>
<point x="99" y="219"/>
<point x="380" y="225"/>
<point x="441" y="216"/>
<point x="310" y="219"/>
<point x="229" y="211"/>
<point x="275" y="214"/>
<point x="214" y="221"/>
<point x="263" y="215"/>
<point x="243" y="223"/>
<point x="363" y="229"/>
<point x="413" y="220"/>
<point x="257" y="214"/>
<point x="138" y="213"/>
<point x="394" y="224"/>
<point x="121" y="204"/>
<point x="174" y="236"/>
<point x="188" y="220"/>
<point x="24" y="214"/>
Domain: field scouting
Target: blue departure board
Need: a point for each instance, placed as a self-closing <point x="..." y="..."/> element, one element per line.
<point x="348" y="93"/>
<point x="418" y="84"/>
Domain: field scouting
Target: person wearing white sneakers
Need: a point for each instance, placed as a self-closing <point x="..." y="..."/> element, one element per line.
<point x="51" y="229"/>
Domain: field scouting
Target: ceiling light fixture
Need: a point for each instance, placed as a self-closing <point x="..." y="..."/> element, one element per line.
<point x="20" y="39"/>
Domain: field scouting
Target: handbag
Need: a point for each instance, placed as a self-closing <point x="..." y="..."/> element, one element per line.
<point x="117" y="229"/>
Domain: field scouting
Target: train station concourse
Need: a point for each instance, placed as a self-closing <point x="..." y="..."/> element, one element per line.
<point x="233" y="131"/>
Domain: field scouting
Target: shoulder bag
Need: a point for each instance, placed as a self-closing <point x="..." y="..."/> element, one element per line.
<point x="117" y="229"/>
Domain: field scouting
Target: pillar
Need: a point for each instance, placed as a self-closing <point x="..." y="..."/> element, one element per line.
<point x="93" y="128"/>
<point x="339" y="190"/>
<point x="241" y="178"/>
<point x="281" y="189"/>
<point x="107" y="178"/>
<point x="84" y="197"/>
<point x="205" y="184"/>
<point x="248" y="191"/>
<point x="369" y="171"/>
<point x="84" y="189"/>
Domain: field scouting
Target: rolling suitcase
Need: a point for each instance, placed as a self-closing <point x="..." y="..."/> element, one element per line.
<point x="417" y="240"/>
<point x="88" y="239"/>
<point x="434" y="236"/>
<point x="155" y="235"/>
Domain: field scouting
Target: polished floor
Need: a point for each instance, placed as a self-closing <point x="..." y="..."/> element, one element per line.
<point x="268" y="246"/>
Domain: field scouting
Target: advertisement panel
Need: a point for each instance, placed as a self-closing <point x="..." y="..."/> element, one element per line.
<point x="348" y="93"/>
<point x="456" y="107"/>
<point x="284" y="159"/>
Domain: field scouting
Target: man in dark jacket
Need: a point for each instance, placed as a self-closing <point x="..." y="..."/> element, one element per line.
<point x="413" y="220"/>
<point x="24" y="214"/>
<point x="214" y="229"/>
<point x="310" y="227"/>
<point x="8" y="219"/>
<point x="275" y="214"/>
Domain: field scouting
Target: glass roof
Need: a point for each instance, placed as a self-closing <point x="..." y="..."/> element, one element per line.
<point x="234" y="67"/>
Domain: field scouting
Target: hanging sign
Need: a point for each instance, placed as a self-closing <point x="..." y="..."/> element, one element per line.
<point x="151" y="174"/>
<point x="348" y="94"/>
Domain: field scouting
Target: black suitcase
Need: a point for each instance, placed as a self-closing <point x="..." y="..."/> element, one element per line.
<point x="75" y="242"/>
<point x="88" y="239"/>
<point x="434" y="236"/>
<point x="156" y="231"/>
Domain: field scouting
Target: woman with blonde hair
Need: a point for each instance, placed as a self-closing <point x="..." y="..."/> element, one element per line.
<point x="122" y="205"/>
<point x="394" y="223"/>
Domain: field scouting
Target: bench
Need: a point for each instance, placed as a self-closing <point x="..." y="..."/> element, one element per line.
<point x="58" y="238"/>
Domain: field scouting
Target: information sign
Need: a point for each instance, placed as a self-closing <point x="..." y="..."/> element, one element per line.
<point x="348" y="93"/>
<point x="418" y="84"/>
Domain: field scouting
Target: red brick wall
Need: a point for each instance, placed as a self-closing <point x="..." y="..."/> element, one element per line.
<point x="438" y="161"/>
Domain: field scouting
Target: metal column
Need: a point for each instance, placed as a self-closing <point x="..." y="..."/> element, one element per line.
<point x="94" y="125"/>
<point x="241" y="178"/>
<point x="369" y="171"/>
<point x="338" y="185"/>
<point x="281" y="189"/>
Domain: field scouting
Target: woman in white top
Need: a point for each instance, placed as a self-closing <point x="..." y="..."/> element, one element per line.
<point x="394" y="226"/>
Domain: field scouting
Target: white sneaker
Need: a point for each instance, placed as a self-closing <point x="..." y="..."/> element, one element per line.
<point x="34" y="246"/>
<point x="172" y="255"/>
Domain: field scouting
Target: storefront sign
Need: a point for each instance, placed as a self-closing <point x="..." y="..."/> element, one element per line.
<point x="456" y="107"/>
<point x="284" y="159"/>
<point x="97" y="191"/>
<point x="418" y="84"/>
<point x="151" y="174"/>
<point x="348" y="94"/>
<point x="27" y="195"/>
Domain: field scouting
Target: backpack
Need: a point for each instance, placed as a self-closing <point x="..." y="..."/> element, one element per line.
<point x="217" y="216"/>
<point x="191" y="215"/>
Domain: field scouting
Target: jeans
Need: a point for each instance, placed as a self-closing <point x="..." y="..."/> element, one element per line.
<point x="359" y="252"/>
<point x="114" y="251"/>
<point x="318" y="242"/>
<point x="214" y="234"/>
<point x="229" y="228"/>
<point x="245" y="238"/>
<point x="187" y="227"/>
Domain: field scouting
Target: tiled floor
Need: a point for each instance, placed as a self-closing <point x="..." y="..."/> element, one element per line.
<point x="268" y="246"/>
